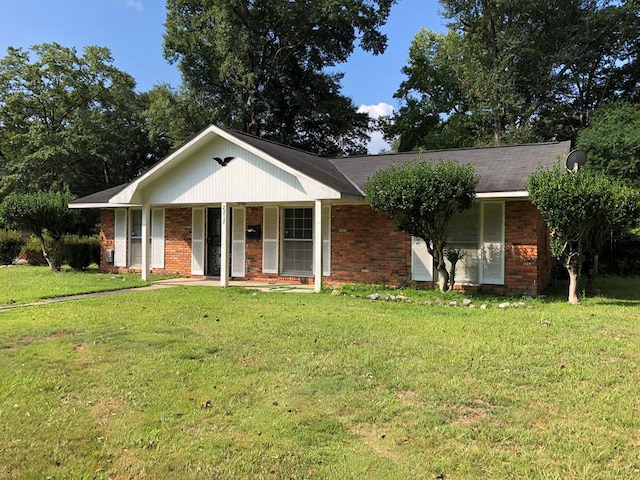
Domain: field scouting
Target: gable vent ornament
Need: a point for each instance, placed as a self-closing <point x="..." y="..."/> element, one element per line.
<point x="223" y="162"/>
<point x="576" y="159"/>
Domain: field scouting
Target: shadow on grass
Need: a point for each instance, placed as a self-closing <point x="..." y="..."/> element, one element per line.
<point x="609" y="290"/>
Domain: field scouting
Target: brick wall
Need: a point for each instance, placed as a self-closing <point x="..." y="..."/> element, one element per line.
<point x="359" y="253"/>
<point x="177" y="248"/>
<point x="527" y="258"/>
<point x="366" y="247"/>
<point x="107" y="239"/>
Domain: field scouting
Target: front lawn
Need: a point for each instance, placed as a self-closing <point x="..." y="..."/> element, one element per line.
<point x="197" y="382"/>
<point x="23" y="283"/>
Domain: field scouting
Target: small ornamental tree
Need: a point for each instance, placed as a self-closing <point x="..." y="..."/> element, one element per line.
<point x="581" y="209"/>
<point x="422" y="197"/>
<point x="40" y="213"/>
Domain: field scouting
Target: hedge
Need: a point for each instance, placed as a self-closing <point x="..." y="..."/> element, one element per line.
<point x="10" y="244"/>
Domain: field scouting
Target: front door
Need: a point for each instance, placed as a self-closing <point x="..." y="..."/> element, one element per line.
<point x="214" y="241"/>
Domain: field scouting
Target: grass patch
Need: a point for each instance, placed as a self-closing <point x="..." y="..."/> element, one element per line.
<point x="24" y="283"/>
<point x="196" y="382"/>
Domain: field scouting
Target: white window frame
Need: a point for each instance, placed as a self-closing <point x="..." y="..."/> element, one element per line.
<point x="479" y="252"/>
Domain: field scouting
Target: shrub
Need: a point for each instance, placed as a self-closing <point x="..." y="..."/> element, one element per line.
<point x="10" y="244"/>
<point x="76" y="251"/>
<point x="31" y="251"/>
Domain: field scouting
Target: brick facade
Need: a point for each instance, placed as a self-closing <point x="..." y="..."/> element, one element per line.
<point x="366" y="247"/>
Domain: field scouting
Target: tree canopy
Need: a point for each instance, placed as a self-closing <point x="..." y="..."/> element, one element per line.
<point x="612" y="141"/>
<point x="261" y="66"/>
<point x="581" y="209"/>
<point x="40" y="213"/>
<point x="518" y="71"/>
<point x="69" y="121"/>
<point x="422" y="197"/>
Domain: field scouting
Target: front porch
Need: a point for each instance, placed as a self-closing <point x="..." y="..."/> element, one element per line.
<point x="248" y="284"/>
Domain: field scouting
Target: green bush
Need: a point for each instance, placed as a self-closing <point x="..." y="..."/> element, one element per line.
<point x="31" y="251"/>
<point x="10" y="244"/>
<point x="76" y="251"/>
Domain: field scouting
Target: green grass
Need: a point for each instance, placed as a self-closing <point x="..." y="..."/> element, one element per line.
<point x="196" y="382"/>
<point x="24" y="284"/>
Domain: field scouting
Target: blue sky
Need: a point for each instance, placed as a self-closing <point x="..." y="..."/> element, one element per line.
<point x="133" y="30"/>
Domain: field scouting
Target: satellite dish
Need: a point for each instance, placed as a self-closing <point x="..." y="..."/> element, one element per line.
<point x="575" y="160"/>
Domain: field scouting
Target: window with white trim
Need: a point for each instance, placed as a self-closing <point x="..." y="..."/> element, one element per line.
<point x="135" y="238"/>
<point x="464" y="236"/>
<point x="297" y="241"/>
<point x="478" y="233"/>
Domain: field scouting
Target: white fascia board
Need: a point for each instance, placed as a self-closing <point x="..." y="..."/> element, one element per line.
<point x="503" y="195"/>
<point x="316" y="190"/>
<point x="101" y="205"/>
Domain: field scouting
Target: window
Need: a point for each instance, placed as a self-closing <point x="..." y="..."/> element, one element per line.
<point x="135" y="239"/>
<point x="464" y="235"/>
<point x="297" y="245"/>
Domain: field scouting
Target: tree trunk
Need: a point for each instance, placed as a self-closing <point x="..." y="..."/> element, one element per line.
<point x="574" y="275"/>
<point x="44" y="253"/>
<point x="452" y="277"/>
<point x="443" y="277"/>
<point x="441" y="267"/>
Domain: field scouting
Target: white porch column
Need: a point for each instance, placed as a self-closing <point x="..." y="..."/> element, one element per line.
<point x="317" y="246"/>
<point x="146" y="240"/>
<point x="225" y="232"/>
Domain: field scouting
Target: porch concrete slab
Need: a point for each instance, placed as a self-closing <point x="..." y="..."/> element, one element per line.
<point x="215" y="282"/>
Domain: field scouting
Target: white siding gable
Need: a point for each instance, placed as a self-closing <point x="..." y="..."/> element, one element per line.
<point x="247" y="178"/>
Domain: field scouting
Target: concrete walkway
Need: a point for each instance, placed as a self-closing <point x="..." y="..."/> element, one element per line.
<point x="169" y="283"/>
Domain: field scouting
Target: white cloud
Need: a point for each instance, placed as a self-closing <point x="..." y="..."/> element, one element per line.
<point x="377" y="143"/>
<point x="136" y="4"/>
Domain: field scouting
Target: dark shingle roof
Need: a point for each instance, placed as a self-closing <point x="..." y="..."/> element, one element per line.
<point x="501" y="169"/>
<point x="99" y="197"/>
<point x="319" y="168"/>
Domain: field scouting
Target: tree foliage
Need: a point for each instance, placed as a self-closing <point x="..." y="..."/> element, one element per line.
<point x="69" y="121"/>
<point x="422" y="197"/>
<point x="517" y="71"/>
<point x="41" y="213"/>
<point x="581" y="210"/>
<point x="261" y="66"/>
<point x="612" y="141"/>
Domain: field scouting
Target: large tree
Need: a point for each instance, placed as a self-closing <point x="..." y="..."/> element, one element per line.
<point x="262" y="66"/>
<point x="517" y="71"/>
<point x="69" y="120"/>
<point x="581" y="209"/>
<point x="613" y="141"/>
<point x="422" y="197"/>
